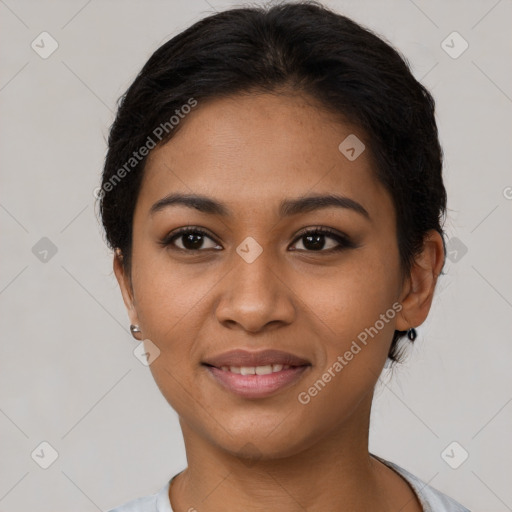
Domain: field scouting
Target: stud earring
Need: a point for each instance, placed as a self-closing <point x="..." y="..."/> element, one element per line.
<point x="134" y="329"/>
<point x="411" y="334"/>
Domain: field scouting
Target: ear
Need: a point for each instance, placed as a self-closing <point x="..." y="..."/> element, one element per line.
<point x="125" y="285"/>
<point x="418" y="290"/>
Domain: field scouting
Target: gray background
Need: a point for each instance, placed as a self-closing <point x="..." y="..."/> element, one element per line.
<point x="68" y="374"/>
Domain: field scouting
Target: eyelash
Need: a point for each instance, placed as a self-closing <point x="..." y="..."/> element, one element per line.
<point x="344" y="241"/>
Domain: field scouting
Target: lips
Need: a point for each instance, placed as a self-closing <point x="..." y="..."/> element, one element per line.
<point x="257" y="386"/>
<point x="243" y="358"/>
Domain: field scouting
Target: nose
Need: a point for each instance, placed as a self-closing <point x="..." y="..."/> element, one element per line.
<point x="255" y="296"/>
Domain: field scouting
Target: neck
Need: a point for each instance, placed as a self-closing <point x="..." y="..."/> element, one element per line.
<point x="333" y="473"/>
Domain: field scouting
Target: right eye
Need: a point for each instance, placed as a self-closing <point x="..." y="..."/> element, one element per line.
<point x="192" y="239"/>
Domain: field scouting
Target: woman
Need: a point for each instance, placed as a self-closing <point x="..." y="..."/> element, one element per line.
<point x="273" y="192"/>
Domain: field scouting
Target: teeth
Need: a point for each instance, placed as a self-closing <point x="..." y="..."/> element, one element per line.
<point x="255" y="370"/>
<point x="263" y="370"/>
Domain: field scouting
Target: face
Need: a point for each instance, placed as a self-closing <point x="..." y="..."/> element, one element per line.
<point x="248" y="275"/>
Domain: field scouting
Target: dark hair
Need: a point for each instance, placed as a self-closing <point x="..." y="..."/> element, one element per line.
<point x="299" y="47"/>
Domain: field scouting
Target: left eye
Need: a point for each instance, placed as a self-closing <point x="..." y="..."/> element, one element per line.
<point x="314" y="240"/>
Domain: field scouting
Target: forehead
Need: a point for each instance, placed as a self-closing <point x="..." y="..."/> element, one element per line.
<point x="252" y="149"/>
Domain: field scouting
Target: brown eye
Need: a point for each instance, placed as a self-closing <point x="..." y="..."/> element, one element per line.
<point x="314" y="240"/>
<point x="192" y="239"/>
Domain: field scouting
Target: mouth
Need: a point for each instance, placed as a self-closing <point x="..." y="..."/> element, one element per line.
<point x="254" y="375"/>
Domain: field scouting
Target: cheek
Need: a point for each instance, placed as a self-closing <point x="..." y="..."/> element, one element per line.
<point x="357" y="309"/>
<point x="169" y="301"/>
<point x="357" y="325"/>
<point x="166" y="293"/>
<point x="353" y="297"/>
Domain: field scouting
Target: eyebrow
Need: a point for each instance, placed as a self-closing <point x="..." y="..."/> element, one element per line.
<point x="287" y="208"/>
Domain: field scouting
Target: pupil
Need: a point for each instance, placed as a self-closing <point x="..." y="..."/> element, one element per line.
<point x="317" y="242"/>
<point x="192" y="241"/>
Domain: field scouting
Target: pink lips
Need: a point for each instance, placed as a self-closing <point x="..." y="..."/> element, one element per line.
<point x="256" y="386"/>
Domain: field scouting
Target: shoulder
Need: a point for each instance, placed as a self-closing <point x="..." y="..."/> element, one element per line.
<point x="144" y="504"/>
<point x="158" y="502"/>
<point x="430" y="498"/>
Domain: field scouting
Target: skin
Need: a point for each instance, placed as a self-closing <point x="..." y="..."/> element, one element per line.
<point x="251" y="152"/>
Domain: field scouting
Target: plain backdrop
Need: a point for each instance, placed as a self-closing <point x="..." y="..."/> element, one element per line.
<point x="69" y="378"/>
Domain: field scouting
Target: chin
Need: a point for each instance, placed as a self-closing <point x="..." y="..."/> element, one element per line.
<point x="256" y="442"/>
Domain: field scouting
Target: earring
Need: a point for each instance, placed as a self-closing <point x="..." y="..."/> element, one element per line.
<point x="134" y="329"/>
<point x="411" y="334"/>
